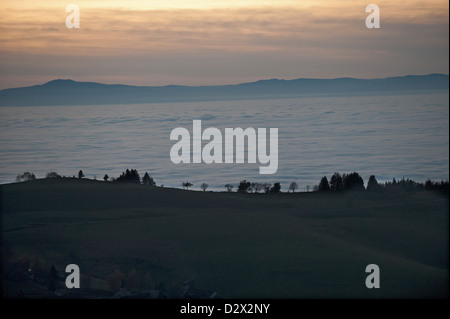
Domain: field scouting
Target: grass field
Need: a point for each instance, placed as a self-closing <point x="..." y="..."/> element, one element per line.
<point x="302" y="245"/>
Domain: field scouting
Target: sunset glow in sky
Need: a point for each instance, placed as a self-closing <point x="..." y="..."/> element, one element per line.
<point x="207" y="42"/>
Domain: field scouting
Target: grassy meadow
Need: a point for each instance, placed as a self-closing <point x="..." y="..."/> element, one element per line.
<point x="301" y="245"/>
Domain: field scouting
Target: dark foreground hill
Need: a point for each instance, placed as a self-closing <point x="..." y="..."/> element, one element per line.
<point x="69" y="92"/>
<point x="239" y="245"/>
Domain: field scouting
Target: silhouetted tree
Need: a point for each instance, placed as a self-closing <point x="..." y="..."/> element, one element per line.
<point x="442" y="185"/>
<point x="266" y="187"/>
<point x="336" y="182"/>
<point x="38" y="269"/>
<point x="204" y="186"/>
<point x="129" y="176"/>
<point x="80" y="174"/>
<point x="353" y="182"/>
<point x="372" y="184"/>
<point x="243" y="186"/>
<point x="276" y="188"/>
<point x="187" y="185"/>
<point x="52" y="175"/>
<point x="408" y="185"/>
<point x="316" y="188"/>
<point x="293" y="186"/>
<point x="148" y="180"/>
<point x="52" y="278"/>
<point x="27" y="176"/>
<point x="324" y="186"/>
<point x="430" y="185"/>
<point x="115" y="280"/>
<point x="106" y="177"/>
<point x="133" y="280"/>
<point x="229" y="187"/>
<point x="147" y="281"/>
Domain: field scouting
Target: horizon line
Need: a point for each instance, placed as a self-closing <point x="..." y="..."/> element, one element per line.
<point x="219" y="85"/>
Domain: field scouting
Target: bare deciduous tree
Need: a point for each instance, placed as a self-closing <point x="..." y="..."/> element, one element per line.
<point x="293" y="186"/>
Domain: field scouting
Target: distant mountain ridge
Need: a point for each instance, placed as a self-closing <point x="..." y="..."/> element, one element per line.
<point x="70" y="92"/>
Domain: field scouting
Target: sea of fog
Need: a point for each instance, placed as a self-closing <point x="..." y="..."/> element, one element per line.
<point x="389" y="136"/>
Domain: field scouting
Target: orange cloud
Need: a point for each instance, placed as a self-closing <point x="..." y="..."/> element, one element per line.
<point x="298" y="32"/>
<point x="117" y="30"/>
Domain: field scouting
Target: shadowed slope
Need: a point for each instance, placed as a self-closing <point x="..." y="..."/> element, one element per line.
<point x="299" y="245"/>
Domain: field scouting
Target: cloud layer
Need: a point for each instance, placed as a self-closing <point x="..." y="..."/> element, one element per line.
<point x="217" y="43"/>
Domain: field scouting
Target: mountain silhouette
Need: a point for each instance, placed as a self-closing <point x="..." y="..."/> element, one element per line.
<point x="70" y="92"/>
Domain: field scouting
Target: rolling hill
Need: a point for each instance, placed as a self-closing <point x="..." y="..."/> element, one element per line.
<point x="301" y="245"/>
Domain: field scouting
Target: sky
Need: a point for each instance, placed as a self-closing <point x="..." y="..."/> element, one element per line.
<point x="208" y="42"/>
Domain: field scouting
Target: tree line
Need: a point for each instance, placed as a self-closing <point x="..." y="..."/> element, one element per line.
<point x="129" y="176"/>
<point x="337" y="183"/>
<point x="354" y="182"/>
<point x="342" y="183"/>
